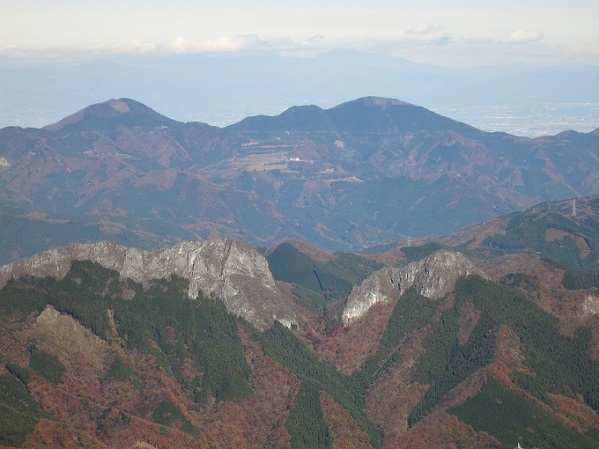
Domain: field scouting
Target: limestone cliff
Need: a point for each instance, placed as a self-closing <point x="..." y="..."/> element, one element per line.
<point x="433" y="277"/>
<point x="231" y="270"/>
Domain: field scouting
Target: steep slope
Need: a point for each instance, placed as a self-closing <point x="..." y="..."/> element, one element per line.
<point x="432" y="277"/>
<point x="159" y="370"/>
<point x="564" y="231"/>
<point x="233" y="271"/>
<point x="318" y="276"/>
<point x="120" y="347"/>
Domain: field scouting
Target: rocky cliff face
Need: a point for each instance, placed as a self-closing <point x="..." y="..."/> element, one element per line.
<point x="233" y="271"/>
<point x="433" y="277"/>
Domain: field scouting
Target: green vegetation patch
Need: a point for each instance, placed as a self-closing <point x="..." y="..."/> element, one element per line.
<point x="559" y="364"/>
<point x="21" y="373"/>
<point x="47" y="365"/>
<point x="306" y="423"/>
<point x="414" y="253"/>
<point x="161" y="320"/>
<point x="577" y="280"/>
<point x="512" y="420"/>
<point x="412" y="312"/>
<point x="21" y="297"/>
<point x="280" y="343"/>
<point x="529" y="284"/>
<point x="201" y="330"/>
<point x="528" y="231"/>
<point x="86" y="293"/>
<point x="574" y="279"/>
<point x="18" y="411"/>
<point x="315" y="281"/>
<point x="120" y="371"/>
<point x="167" y="414"/>
<point x="446" y="364"/>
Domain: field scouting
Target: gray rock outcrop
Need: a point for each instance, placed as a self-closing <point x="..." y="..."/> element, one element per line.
<point x="433" y="277"/>
<point x="233" y="271"/>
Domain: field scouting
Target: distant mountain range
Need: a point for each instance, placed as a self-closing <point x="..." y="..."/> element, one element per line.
<point x="367" y="172"/>
<point x="222" y="89"/>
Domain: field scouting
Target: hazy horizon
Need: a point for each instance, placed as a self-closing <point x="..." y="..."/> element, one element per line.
<point x="525" y="67"/>
<point x="223" y="89"/>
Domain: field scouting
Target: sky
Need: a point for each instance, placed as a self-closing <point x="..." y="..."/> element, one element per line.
<point x="456" y="33"/>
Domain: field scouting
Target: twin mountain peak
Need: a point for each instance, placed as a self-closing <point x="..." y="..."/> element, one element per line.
<point x="134" y="112"/>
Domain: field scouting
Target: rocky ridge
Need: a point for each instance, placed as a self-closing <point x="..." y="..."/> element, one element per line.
<point x="433" y="277"/>
<point x="233" y="271"/>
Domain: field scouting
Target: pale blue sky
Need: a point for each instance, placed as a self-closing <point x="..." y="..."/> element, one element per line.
<point x="446" y="33"/>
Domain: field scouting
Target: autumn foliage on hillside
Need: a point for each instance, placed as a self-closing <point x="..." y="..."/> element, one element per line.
<point x="94" y="361"/>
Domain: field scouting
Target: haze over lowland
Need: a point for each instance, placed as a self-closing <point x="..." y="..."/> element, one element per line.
<point x="528" y="68"/>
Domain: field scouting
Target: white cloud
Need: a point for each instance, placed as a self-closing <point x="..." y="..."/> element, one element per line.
<point x="221" y="44"/>
<point x="249" y="42"/>
<point x="524" y="37"/>
<point x="224" y="44"/>
<point x="46" y="29"/>
<point x="39" y="53"/>
<point x="143" y="47"/>
<point x="14" y="51"/>
<point x="428" y="28"/>
<point x="317" y="39"/>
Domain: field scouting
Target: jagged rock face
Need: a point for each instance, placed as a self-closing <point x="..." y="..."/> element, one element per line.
<point x="233" y="271"/>
<point x="433" y="277"/>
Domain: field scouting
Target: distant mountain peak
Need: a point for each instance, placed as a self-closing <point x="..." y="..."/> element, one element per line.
<point x="378" y="102"/>
<point x="119" y="105"/>
<point x="122" y="109"/>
